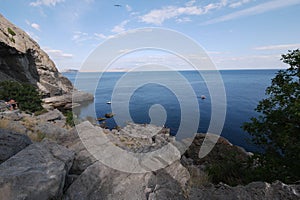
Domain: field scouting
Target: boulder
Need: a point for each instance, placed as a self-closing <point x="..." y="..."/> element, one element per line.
<point x="69" y="100"/>
<point x="14" y="115"/>
<point x="37" y="172"/>
<point x="11" y="143"/>
<point x="101" y="182"/>
<point x="51" y="116"/>
<point x="83" y="158"/>
<point x="48" y="130"/>
<point x="220" y="151"/>
<point x="16" y="126"/>
<point x="109" y="115"/>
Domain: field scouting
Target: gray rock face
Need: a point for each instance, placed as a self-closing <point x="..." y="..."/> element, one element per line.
<point x="83" y="158"/>
<point x="22" y="59"/>
<point x="254" y="191"/>
<point x="100" y="182"/>
<point x="11" y="115"/>
<point x="11" y="143"/>
<point x="68" y="101"/>
<point x="37" y="172"/>
<point x="51" y="116"/>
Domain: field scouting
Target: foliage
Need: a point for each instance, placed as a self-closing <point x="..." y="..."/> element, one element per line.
<point x="26" y="95"/>
<point x="230" y="170"/>
<point x="69" y="118"/>
<point x="11" y="32"/>
<point x="40" y="112"/>
<point x="277" y="128"/>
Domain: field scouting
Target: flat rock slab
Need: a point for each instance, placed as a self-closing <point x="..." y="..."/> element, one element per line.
<point x="101" y="182"/>
<point x="37" y="172"/>
<point x="11" y="143"/>
<point x="52" y="115"/>
<point x="141" y="130"/>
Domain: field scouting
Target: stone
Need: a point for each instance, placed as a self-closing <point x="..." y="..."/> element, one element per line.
<point x="48" y="130"/>
<point x="15" y="126"/>
<point x="68" y="101"/>
<point x="24" y="61"/>
<point x="83" y="158"/>
<point x="11" y="143"/>
<point x="14" y="115"/>
<point x="109" y="115"/>
<point x="36" y="172"/>
<point x="220" y="151"/>
<point x="101" y="182"/>
<point x="51" y="116"/>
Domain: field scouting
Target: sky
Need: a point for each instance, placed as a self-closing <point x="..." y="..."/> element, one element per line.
<point x="236" y="34"/>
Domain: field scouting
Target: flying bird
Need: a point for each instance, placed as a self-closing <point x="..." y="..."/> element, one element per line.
<point x="117" y="5"/>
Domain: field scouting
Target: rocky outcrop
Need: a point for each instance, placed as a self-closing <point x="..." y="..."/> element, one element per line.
<point x="11" y="143"/>
<point x="101" y="182"/>
<point x="63" y="168"/>
<point x="22" y="59"/>
<point x="37" y="172"/>
<point x="68" y="101"/>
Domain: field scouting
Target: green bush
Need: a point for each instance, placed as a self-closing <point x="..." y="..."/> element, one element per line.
<point x="26" y="95"/>
<point x="277" y="129"/>
<point x="69" y="118"/>
<point x="11" y="32"/>
<point x="230" y="170"/>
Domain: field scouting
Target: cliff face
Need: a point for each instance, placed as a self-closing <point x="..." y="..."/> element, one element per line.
<point x="22" y="59"/>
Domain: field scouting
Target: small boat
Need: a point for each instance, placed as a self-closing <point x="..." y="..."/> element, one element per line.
<point x="203" y="97"/>
<point x="109" y="102"/>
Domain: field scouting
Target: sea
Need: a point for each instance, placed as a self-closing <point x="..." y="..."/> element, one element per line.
<point x="140" y="92"/>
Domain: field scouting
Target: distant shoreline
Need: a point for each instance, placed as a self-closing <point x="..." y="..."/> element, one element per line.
<point x="118" y="71"/>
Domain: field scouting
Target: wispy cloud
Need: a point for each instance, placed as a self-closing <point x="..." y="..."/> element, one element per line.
<point x="158" y="16"/>
<point x="190" y="3"/>
<point x="45" y="2"/>
<point x="128" y="8"/>
<point x="238" y="3"/>
<point x="80" y="37"/>
<point x="35" y="26"/>
<point x="278" y="47"/>
<point x="183" y="20"/>
<point x="261" y="8"/>
<point x="120" y="27"/>
<point x="57" y="54"/>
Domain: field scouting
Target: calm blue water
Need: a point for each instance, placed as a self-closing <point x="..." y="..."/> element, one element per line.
<point x="244" y="89"/>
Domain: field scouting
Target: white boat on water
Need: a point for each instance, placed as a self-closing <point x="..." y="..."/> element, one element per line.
<point x="109" y="102"/>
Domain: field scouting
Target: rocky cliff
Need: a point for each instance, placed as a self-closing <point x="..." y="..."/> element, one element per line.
<point x="22" y="59"/>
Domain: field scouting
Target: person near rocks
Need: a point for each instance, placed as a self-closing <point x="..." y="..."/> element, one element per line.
<point x="12" y="104"/>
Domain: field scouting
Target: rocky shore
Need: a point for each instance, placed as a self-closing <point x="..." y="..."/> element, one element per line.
<point x="42" y="158"/>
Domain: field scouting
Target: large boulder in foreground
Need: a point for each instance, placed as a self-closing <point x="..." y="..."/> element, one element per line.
<point x="11" y="143"/>
<point x="36" y="172"/>
<point x="101" y="182"/>
<point x="22" y="59"/>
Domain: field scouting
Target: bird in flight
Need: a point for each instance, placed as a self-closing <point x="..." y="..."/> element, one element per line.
<point x="117" y="5"/>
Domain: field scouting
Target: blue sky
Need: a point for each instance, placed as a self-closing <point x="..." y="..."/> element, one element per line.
<point x="236" y="34"/>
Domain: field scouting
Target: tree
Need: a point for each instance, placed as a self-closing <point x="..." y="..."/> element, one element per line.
<point x="26" y="95"/>
<point x="277" y="129"/>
